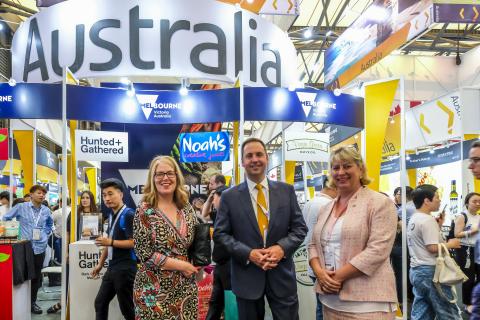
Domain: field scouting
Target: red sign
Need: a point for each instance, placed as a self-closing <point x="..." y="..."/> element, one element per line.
<point x="4" y="144"/>
<point x="205" y="287"/>
<point x="6" y="272"/>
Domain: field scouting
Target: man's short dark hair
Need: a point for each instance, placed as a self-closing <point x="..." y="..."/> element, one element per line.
<point x="38" y="187"/>
<point x="476" y="144"/>
<point x="250" y="140"/>
<point x="6" y="195"/>
<point x="425" y="191"/>
<point x="112" y="182"/>
<point x="408" y="189"/>
<point x="220" y="179"/>
<point x="69" y="202"/>
<point x="220" y="190"/>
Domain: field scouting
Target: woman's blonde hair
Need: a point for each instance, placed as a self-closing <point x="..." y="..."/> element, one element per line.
<point x="150" y="196"/>
<point x="348" y="153"/>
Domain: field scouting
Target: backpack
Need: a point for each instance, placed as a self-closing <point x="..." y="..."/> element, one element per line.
<point x="451" y="232"/>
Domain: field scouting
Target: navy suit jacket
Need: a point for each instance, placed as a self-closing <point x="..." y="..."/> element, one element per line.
<point x="236" y="228"/>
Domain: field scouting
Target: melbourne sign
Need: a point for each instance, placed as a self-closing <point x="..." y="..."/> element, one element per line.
<point x="202" y="39"/>
<point x="101" y="145"/>
<point x="204" y="147"/>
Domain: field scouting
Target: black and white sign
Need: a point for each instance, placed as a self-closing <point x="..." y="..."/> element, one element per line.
<point x="202" y="39"/>
<point x="101" y="146"/>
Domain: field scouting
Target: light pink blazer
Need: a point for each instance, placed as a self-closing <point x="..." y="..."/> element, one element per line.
<point x="368" y="233"/>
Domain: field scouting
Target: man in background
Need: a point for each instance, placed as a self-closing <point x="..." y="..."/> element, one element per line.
<point x="209" y="212"/>
<point x="35" y="225"/>
<point x="5" y="202"/>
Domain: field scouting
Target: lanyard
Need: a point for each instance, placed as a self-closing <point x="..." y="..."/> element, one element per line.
<point x="112" y="226"/>
<point x="39" y="215"/>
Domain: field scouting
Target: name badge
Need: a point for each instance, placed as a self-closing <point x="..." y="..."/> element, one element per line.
<point x="37" y="234"/>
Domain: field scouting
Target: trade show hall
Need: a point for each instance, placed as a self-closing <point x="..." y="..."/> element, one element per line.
<point x="239" y="160"/>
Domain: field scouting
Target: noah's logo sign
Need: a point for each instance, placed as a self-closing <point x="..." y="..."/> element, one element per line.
<point x="195" y="39"/>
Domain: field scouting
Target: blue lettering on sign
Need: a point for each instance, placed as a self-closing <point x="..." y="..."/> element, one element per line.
<point x="204" y="147"/>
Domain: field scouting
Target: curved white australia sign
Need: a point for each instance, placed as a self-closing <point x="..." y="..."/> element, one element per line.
<point x="202" y="39"/>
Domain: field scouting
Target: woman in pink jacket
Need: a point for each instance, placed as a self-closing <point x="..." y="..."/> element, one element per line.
<point x="351" y="244"/>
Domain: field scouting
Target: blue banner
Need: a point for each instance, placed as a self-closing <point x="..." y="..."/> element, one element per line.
<point x="31" y="101"/>
<point x="303" y="105"/>
<point x="44" y="101"/>
<point x="204" y="147"/>
<point x="152" y="107"/>
<point x="427" y="159"/>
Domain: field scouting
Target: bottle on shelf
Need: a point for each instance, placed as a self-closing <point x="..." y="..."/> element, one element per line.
<point x="453" y="200"/>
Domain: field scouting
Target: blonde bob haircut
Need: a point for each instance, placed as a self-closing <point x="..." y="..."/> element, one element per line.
<point x="180" y="195"/>
<point x="349" y="154"/>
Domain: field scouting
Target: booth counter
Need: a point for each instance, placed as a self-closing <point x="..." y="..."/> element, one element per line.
<point x="83" y="257"/>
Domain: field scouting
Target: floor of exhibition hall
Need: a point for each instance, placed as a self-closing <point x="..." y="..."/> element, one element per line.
<point x="47" y="299"/>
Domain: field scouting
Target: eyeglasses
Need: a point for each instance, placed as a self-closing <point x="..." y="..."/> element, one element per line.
<point x="474" y="160"/>
<point x="161" y="175"/>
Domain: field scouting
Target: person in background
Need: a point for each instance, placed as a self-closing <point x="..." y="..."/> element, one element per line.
<point x="423" y="235"/>
<point x="87" y="207"/>
<point x="35" y="225"/>
<point x="17" y="201"/>
<point x="5" y="202"/>
<point x="396" y="255"/>
<point x="164" y="228"/>
<point x="209" y="212"/>
<point x="310" y="214"/>
<point x="27" y="197"/>
<point x="198" y="203"/>
<point x="261" y="225"/>
<point x="351" y="243"/>
<point x="466" y="229"/>
<point x="57" y="233"/>
<point x="118" y="248"/>
<point x="221" y="274"/>
<point x="474" y="166"/>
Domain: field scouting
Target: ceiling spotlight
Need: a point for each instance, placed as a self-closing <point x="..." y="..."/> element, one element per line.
<point x="250" y="1"/>
<point x="392" y="121"/>
<point x="291" y="87"/>
<point x="125" y="81"/>
<point x="131" y="90"/>
<point x="183" y="91"/>
<point x="432" y="151"/>
<point x="408" y="157"/>
<point x="337" y="91"/>
<point x="12" y="82"/>
<point x="184" y="87"/>
<point x="307" y="34"/>
<point x="329" y="33"/>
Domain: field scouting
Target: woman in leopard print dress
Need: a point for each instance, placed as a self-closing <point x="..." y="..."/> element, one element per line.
<point x="165" y="286"/>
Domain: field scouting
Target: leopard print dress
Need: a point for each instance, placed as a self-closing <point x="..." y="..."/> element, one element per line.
<point x="158" y="293"/>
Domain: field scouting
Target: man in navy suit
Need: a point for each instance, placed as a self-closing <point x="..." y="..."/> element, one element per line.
<point x="261" y="225"/>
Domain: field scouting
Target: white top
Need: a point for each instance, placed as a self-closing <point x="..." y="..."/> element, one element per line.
<point x="310" y="214"/>
<point x="254" y="193"/>
<point x="331" y="244"/>
<point x="3" y="209"/>
<point x="57" y="221"/>
<point x="422" y="230"/>
<point x="472" y="220"/>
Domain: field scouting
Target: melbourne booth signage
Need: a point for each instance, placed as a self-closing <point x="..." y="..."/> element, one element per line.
<point x="169" y="107"/>
<point x="204" y="147"/>
<point x="202" y="39"/>
<point x="101" y="146"/>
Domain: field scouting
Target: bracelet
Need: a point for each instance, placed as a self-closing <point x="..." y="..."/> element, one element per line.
<point x="111" y="244"/>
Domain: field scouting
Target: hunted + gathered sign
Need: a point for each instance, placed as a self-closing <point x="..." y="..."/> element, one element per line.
<point x="201" y="39"/>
